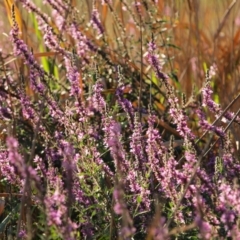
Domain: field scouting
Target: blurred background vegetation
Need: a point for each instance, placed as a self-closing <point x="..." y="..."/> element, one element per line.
<point x="191" y="35"/>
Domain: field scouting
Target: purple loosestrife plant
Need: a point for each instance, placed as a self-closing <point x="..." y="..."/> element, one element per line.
<point x="206" y="126"/>
<point x="36" y="72"/>
<point x="50" y="38"/>
<point x="17" y="161"/>
<point x="97" y="100"/>
<point x="73" y="76"/>
<point x="59" y="13"/>
<point x="204" y="227"/>
<point x="20" y="48"/>
<point x="178" y="115"/>
<point x="96" y="169"/>
<point x="154" y="149"/>
<point x="56" y="210"/>
<point x="137" y="146"/>
<point x="231" y="166"/>
<point x="155" y="63"/>
<point x="127" y="230"/>
<point x="212" y="106"/>
<point x="228" y="206"/>
<point x="7" y="169"/>
<point x="112" y="140"/>
<point x="82" y="47"/>
<point x="126" y="105"/>
<point x="95" y="21"/>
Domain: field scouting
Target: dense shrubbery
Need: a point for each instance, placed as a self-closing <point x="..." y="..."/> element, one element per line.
<point x="97" y="140"/>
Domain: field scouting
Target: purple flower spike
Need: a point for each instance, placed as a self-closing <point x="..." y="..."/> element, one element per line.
<point x="95" y="21"/>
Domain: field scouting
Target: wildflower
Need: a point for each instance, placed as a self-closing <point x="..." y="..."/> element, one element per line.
<point x="95" y="21"/>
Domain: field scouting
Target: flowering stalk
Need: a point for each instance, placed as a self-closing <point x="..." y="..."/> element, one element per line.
<point x="212" y="106"/>
<point x="229" y="207"/>
<point x="57" y="213"/>
<point x="59" y="13"/>
<point x="82" y="44"/>
<point x="137" y="146"/>
<point x="125" y="104"/>
<point x="95" y="21"/>
<point x="177" y="114"/>
<point x="127" y="229"/>
<point x="208" y="127"/>
<point x="154" y="149"/>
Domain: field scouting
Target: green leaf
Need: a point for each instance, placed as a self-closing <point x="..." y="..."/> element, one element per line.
<point x="171" y="45"/>
<point x="173" y="76"/>
<point x="139" y="199"/>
